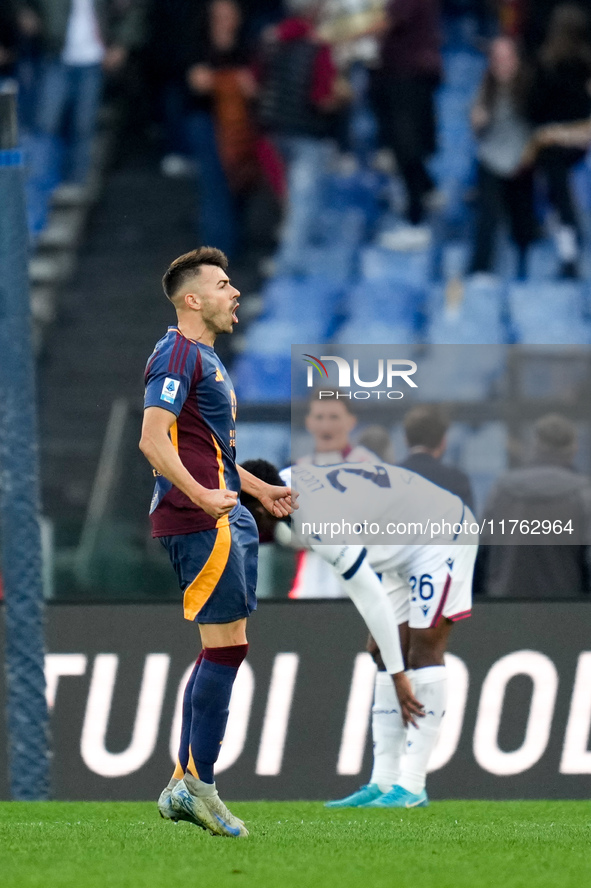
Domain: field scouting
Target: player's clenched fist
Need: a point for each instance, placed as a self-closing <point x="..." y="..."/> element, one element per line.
<point x="218" y="503"/>
<point x="279" y="501"/>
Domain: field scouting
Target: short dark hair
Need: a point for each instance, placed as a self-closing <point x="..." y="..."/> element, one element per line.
<point x="263" y="470"/>
<point x="425" y="426"/>
<point x="555" y="434"/>
<point x="187" y="265"/>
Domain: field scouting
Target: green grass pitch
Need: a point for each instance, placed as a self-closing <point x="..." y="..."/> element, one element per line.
<point x="296" y="844"/>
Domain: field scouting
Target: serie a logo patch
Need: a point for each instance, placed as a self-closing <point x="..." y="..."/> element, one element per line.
<point x="169" y="390"/>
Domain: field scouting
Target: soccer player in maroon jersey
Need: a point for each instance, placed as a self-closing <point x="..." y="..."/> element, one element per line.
<point x="188" y="436"/>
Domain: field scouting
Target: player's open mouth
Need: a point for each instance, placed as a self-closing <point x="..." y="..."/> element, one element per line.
<point x="234" y="316"/>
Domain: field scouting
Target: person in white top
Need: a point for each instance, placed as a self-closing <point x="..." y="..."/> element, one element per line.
<point x="330" y="423"/>
<point x="427" y="579"/>
<point x="82" y="39"/>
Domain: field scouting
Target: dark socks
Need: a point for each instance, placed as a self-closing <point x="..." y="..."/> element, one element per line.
<point x="187" y="713"/>
<point x="210" y="700"/>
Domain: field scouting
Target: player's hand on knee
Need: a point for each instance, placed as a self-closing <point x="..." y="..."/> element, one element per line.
<point x="410" y="707"/>
<point x="218" y="503"/>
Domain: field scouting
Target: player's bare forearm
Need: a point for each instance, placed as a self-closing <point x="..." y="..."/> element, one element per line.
<point x="250" y="483"/>
<point x="160" y="453"/>
<point x="278" y="500"/>
<point x="158" y="449"/>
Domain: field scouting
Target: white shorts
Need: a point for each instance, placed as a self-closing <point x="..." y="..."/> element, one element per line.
<point x="425" y="593"/>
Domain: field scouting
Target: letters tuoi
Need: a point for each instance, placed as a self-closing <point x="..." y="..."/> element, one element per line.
<point x="279" y="703"/>
<point x="395" y="369"/>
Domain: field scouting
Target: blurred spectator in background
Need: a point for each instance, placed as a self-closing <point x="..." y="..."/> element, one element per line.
<point x="8" y="38"/>
<point x="561" y="93"/>
<point x="330" y="422"/>
<point x="82" y="40"/>
<point x="425" y="428"/>
<point x="534" y="18"/>
<point x="512" y="16"/>
<point x="377" y="440"/>
<point x="403" y="91"/>
<point x="300" y="93"/>
<point x="547" y="490"/>
<point x="220" y="126"/>
<point x="505" y="182"/>
<point x="29" y="63"/>
<point x="473" y="21"/>
<point x="259" y="14"/>
<point x="174" y="28"/>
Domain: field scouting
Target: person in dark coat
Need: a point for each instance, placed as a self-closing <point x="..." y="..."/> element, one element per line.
<point x="300" y="94"/>
<point x="403" y="92"/>
<point x="8" y="38"/>
<point x="548" y="490"/>
<point x="426" y="428"/>
<point x="561" y="93"/>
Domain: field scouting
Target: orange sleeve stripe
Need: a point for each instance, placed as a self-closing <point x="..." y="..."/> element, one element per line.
<point x="174" y="436"/>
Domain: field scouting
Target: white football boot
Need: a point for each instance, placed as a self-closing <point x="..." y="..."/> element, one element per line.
<point x="200" y="803"/>
<point x="167" y="812"/>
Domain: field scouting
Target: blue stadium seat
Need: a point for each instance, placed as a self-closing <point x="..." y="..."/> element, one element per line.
<point x="345" y="226"/>
<point x="359" y="189"/>
<point x="375" y="332"/>
<point x="334" y="260"/>
<point x="462" y="375"/>
<point x="413" y="267"/>
<point x="557" y="332"/>
<point x="275" y="337"/>
<point x="542" y="261"/>
<point x="313" y="297"/>
<point x="258" y="440"/>
<point x="484" y="300"/>
<point x="261" y="379"/>
<point x="563" y="297"/>
<point x="385" y="301"/>
<point x="448" y="327"/>
<point x="548" y="311"/>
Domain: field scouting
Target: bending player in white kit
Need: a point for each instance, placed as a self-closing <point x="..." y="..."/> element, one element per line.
<point x="428" y="585"/>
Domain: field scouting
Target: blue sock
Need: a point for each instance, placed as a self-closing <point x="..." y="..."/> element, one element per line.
<point x="210" y="701"/>
<point x="187" y="716"/>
